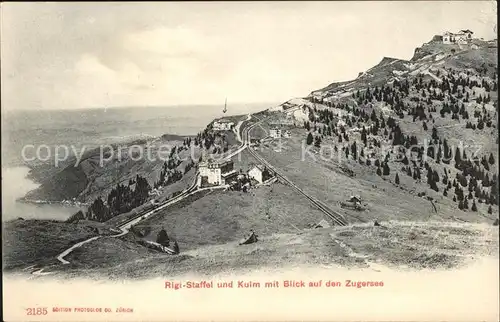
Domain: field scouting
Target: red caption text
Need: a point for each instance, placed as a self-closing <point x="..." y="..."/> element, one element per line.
<point x="177" y="285"/>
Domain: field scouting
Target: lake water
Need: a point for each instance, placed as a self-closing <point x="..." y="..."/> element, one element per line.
<point x="88" y="128"/>
<point x="14" y="186"/>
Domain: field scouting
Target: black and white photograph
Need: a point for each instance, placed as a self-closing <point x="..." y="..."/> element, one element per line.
<point x="198" y="153"/>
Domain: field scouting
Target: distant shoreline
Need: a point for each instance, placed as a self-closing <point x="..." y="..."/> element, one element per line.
<point x="15" y="206"/>
<point x="36" y="172"/>
<point x="114" y="108"/>
<point x="49" y="202"/>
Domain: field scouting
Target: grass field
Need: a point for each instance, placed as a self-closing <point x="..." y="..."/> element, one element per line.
<point x="326" y="180"/>
<point x="225" y="216"/>
<point x="30" y="242"/>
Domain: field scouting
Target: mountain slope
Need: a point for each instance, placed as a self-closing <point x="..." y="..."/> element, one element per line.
<point x="426" y="126"/>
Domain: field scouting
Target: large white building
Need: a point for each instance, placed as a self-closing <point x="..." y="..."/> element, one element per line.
<point x="462" y="37"/>
<point x="275" y="133"/>
<point x="223" y="125"/>
<point x="256" y="173"/>
<point x="217" y="173"/>
<point x="259" y="173"/>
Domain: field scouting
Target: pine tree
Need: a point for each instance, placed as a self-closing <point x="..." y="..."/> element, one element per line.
<point x="354" y="150"/>
<point x="317" y="142"/>
<point x="397" y="179"/>
<point x="162" y="238"/>
<point x="309" y="139"/>
<point x="379" y="172"/>
<point x="386" y="169"/>
<point x="458" y="159"/>
<point x="434" y="134"/>
<point x="491" y="160"/>
<point x="474" y="207"/>
<point x="490" y="210"/>
<point x="363" y="135"/>
<point x="97" y="210"/>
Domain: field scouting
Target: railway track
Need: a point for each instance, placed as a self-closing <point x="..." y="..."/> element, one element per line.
<point x="125" y="226"/>
<point x="335" y="216"/>
<point x="183" y="194"/>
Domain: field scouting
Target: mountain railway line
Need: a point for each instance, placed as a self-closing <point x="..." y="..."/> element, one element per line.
<point x="124" y="227"/>
<point x="335" y="216"/>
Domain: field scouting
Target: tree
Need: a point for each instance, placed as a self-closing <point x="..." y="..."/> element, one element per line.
<point x="491" y="160"/>
<point x="354" y="150"/>
<point x="490" y="210"/>
<point x="317" y="142"/>
<point x="99" y="210"/>
<point x="76" y="217"/>
<point x="379" y="172"/>
<point x="434" y="134"/>
<point x="309" y="139"/>
<point x="162" y="238"/>
<point x="363" y="135"/>
<point x="458" y="159"/>
<point x="386" y="169"/>
<point x="474" y="207"/>
<point x="397" y="179"/>
<point x="141" y="191"/>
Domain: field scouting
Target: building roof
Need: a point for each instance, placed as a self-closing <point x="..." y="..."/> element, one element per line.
<point x="227" y="174"/>
<point x="224" y="121"/>
<point x="355" y="197"/>
<point x="466" y="31"/>
<point x="259" y="167"/>
<point x="215" y="163"/>
<point x="323" y="223"/>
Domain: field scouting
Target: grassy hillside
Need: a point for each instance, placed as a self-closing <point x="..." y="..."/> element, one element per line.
<point x="401" y="136"/>
<point x="223" y="216"/>
<point x="38" y="242"/>
<point x="445" y="97"/>
<point x="431" y="245"/>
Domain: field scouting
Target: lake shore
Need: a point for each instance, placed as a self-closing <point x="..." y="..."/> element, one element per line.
<point x="16" y="184"/>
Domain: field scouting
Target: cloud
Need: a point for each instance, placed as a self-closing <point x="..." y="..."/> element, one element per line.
<point x="163" y="64"/>
<point x="173" y="42"/>
<point x="121" y="54"/>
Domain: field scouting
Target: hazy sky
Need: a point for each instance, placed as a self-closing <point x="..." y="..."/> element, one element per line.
<point x="75" y="55"/>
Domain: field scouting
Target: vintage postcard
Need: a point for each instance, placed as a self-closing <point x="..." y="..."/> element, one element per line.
<point x="250" y="161"/>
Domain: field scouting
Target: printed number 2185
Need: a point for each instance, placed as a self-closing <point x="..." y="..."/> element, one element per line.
<point x="36" y="311"/>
